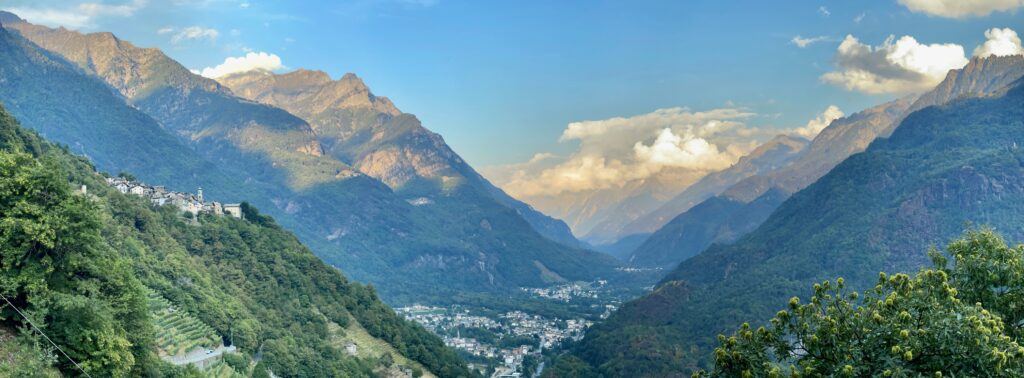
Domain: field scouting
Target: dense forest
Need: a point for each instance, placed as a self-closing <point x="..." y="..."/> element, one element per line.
<point x="80" y="265"/>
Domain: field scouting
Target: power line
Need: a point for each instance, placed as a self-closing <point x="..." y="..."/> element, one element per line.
<point x="44" y="335"/>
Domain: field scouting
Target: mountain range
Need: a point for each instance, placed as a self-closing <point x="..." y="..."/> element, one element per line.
<point x="418" y="211"/>
<point x="842" y="138"/>
<point x="876" y="211"/>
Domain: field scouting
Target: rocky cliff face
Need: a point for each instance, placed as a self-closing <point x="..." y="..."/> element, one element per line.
<point x="979" y="78"/>
<point x="371" y="134"/>
<point x="135" y="72"/>
<point x="199" y="110"/>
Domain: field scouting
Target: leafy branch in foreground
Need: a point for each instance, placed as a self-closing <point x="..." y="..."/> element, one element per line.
<point x="960" y="320"/>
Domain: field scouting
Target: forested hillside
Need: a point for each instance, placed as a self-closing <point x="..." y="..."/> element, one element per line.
<point x="876" y="211"/>
<point x="80" y="265"/>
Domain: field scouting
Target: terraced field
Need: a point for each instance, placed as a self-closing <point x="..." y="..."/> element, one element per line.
<point x="221" y="370"/>
<point x="177" y="331"/>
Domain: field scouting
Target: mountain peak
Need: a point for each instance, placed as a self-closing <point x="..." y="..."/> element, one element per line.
<point x="7" y="18"/>
<point x="134" y="71"/>
<point x="980" y="77"/>
<point x="306" y="92"/>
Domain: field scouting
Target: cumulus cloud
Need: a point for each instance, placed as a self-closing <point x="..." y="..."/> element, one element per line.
<point x="999" y="42"/>
<point x="250" y="62"/>
<point x="684" y="151"/>
<point x="802" y="42"/>
<point x="81" y="16"/>
<point x="819" y="123"/>
<point x="612" y="152"/>
<point x="895" y="66"/>
<point x="961" y="8"/>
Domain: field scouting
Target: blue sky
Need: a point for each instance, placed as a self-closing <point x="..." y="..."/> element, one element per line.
<point x="502" y="80"/>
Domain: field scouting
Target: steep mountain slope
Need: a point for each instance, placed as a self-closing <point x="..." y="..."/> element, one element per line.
<point x="36" y="86"/>
<point x="750" y="197"/>
<point x="980" y="77"/>
<point x="847" y="136"/>
<point x="198" y="109"/>
<point x="842" y="138"/>
<point x="241" y="150"/>
<point x="769" y="156"/>
<point x="370" y="133"/>
<point x="719" y="220"/>
<point x="83" y="265"/>
<point x="877" y="211"/>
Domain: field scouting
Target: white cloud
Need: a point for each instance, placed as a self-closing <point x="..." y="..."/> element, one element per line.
<point x="81" y="16"/>
<point x="824" y="11"/>
<point x="615" y="151"/>
<point x="250" y="62"/>
<point x="191" y="33"/>
<point x="999" y="42"/>
<point x="961" y="8"/>
<point x="819" y="123"/>
<point x="895" y="66"/>
<point x="682" y="151"/>
<point x="859" y="18"/>
<point x="802" y="42"/>
<point x="163" y="31"/>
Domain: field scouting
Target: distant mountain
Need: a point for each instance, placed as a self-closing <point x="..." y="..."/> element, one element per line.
<point x="878" y="210"/>
<point x="371" y="134"/>
<point x="596" y="215"/>
<point x="719" y="220"/>
<point x="623" y="248"/>
<point x="134" y="108"/>
<point x="769" y="156"/>
<point x="843" y="137"/>
<point x="741" y="207"/>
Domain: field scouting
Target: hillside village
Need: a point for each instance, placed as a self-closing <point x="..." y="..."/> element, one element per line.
<point x="193" y="203"/>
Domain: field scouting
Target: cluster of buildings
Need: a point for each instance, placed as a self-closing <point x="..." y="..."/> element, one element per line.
<point x="567" y="292"/>
<point x="550" y="333"/>
<point x="193" y="203"/>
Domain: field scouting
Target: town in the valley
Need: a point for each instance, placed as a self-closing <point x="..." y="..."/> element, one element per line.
<point x="511" y="343"/>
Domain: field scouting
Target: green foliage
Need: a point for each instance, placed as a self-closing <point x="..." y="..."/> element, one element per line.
<point x="178" y="332"/>
<point x="78" y="265"/>
<point x="54" y="264"/>
<point x="938" y="322"/>
<point x="26" y="356"/>
<point x="875" y="211"/>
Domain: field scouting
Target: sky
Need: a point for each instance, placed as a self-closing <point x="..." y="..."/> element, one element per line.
<point x="514" y="83"/>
